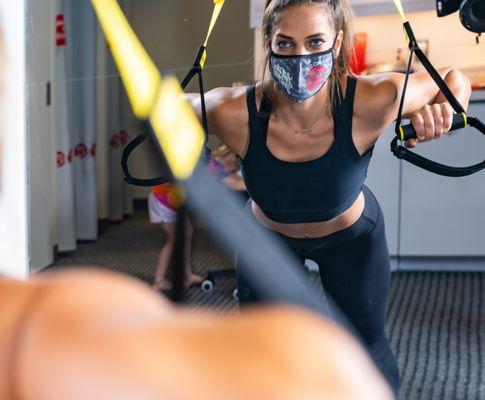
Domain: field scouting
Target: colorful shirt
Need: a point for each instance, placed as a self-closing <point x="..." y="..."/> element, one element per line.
<point x="167" y="195"/>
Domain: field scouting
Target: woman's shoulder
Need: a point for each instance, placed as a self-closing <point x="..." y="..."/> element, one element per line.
<point x="375" y="100"/>
<point x="376" y="90"/>
<point x="223" y="100"/>
<point x="227" y="109"/>
<point x="219" y="100"/>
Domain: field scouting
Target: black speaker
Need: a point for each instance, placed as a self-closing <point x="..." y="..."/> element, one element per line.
<point x="472" y="12"/>
<point x="447" y="7"/>
<point x="472" y="15"/>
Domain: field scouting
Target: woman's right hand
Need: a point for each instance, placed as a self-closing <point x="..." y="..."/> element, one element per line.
<point x="430" y="122"/>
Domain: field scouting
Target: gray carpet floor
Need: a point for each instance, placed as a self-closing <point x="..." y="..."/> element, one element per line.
<point x="436" y="321"/>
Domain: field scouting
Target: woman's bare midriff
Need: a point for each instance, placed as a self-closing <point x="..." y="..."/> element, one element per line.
<point x="313" y="229"/>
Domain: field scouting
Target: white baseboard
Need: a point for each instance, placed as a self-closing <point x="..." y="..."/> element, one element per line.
<point x="451" y="264"/>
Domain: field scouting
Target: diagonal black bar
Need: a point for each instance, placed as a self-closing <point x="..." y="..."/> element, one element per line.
<point x="477" y="124"/>
<point x="178" y="256"/>
<point x="403" y="96"/>
<point x="439" y="81"/>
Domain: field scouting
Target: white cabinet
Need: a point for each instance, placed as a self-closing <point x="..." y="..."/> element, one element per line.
<point x="428" y="215"/>
<point x="42" y="159"/>
<point x="445" y="216"/>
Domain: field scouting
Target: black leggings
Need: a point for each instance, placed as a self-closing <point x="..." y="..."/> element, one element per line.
<point x="355" y="272"/>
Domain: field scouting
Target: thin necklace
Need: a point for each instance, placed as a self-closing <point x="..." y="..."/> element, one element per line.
<point x="300" y="131"/>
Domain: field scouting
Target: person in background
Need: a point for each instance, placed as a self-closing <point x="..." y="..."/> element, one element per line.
<point x="162" y="209"/>
<point x="163" y="201"/>
<point x="224" y="165"/>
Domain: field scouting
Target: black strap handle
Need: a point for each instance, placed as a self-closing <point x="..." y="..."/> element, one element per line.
<point x="408" y="132"/>
<point x="124" y="164"/>
<point x="440" y="169"/>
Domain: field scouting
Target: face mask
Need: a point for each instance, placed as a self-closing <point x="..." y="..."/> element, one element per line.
<point x="301" y="77"/>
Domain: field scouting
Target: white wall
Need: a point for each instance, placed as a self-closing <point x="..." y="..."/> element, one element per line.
<point x="13" y="196"/>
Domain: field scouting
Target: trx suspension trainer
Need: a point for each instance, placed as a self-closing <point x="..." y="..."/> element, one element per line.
<point x="272" y="271"/>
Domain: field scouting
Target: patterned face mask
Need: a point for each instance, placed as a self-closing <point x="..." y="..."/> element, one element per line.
<point x="301" y="77"/>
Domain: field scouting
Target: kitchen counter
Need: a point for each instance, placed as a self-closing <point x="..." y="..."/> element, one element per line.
<point x="476" y="76"/>
<point x="478" y="96"/>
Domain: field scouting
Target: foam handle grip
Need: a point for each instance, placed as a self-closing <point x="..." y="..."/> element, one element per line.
<point x="407" y="132"/>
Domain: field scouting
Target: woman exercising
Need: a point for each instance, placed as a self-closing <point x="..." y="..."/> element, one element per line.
<point x="305" y="135"/>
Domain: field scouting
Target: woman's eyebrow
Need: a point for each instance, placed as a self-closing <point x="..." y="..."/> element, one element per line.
<point x="284" y="36"/>
<point x="317" y="35"/>
<point x="308" y="37"/>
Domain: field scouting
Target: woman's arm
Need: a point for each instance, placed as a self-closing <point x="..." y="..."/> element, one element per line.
<point x="234" y="182"/>
<point x="426" y="107"/>
<point x="227" y="116"/>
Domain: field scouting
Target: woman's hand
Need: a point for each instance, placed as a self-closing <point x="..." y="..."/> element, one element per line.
<point x="430" y="122"/>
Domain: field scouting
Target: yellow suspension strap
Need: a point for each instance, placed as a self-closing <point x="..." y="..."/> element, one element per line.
<point x="196" y="69"/>
<point x="407" y="132"/>
<point x="271" y="270"/>
<point x="160" y="104"/>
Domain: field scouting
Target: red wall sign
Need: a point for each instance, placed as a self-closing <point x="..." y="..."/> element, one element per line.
<point x="60" y="31"/>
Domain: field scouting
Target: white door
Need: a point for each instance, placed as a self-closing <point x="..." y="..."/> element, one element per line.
<point x="41" y="140"/>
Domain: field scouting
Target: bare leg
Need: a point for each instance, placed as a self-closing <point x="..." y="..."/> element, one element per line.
<point x="191" y="279"/>
<point x="160" y="282"/>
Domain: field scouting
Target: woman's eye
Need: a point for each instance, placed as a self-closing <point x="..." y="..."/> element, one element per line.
<point x="284" y="44"/>
<point x="317" y="43"/>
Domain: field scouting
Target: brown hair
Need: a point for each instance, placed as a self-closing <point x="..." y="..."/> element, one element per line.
<point x="342" y="17"/>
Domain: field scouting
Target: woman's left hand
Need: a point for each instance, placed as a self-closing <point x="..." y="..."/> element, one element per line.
<point x="430" y="122"/>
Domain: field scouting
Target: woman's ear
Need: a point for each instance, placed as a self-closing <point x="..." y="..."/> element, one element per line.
<point x="338" y="43"/>
<point x="267" y="44"/>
